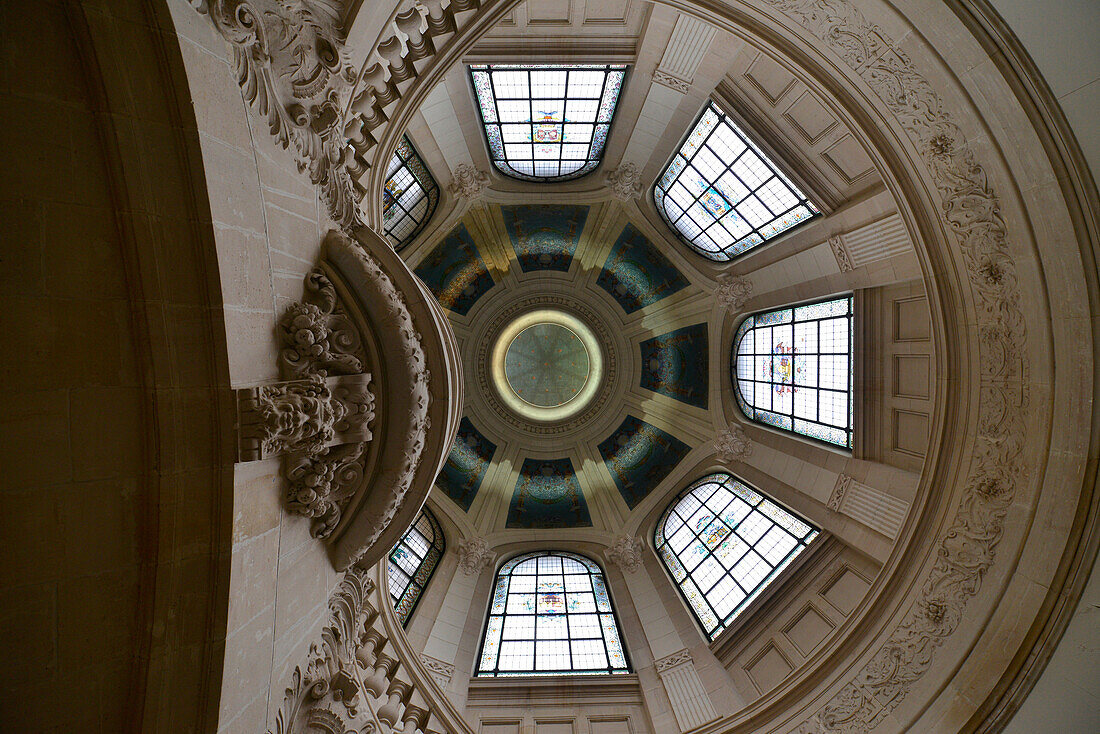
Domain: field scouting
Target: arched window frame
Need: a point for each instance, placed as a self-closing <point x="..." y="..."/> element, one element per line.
<point x="501" y="608"/>
<point x="802" y="425"/>
<point x="406" y="581"/>
<point x="712" y="513"/>
<point x="410" y="194"/>
<point x="497" y="139"/>
<point x="723" y="210"/>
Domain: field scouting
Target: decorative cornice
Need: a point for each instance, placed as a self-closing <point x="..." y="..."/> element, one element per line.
<point x="733" y="444"/>
<point x="467" y="182"/>
<point x="626" y="553"/>
<point x="840" y="251"/>
<point x="732" y="292"/>
<point x="473" y="555"/>
<point x="292" y="68"/>
<point x="672" y="82"/>
<point x="625" y="181"/>
<point x="671" y="661"/>
<point x="843" y="483"/>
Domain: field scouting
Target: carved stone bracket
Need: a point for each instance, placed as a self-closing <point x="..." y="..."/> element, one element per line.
<point x="473" y="555"/>
<point x="733" y="444"/>
<point x="467" y="182"/>
<point x="843" y="483"/>
<point x="671" y="81"/>
<point x="625" y="181"/>
<point x="440" y="671"/>
<point x="293" y="70"/>
<point x="671" y="661"/>
<point x="732" y="292"/>
<point x="626" y="553"/>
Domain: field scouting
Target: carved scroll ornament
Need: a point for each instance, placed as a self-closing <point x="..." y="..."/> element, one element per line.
<point x="733" y="444"/>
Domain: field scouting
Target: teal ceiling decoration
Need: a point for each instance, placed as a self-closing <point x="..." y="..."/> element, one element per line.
<point x="636" y="274"/>
<point x="639" y="456"/>
<point x="675" y="364"/>
<point x="548" y="495"/>
<point x="455" y="272"/>
<point x="466" y="465"/>
<point x="544" y="236"/>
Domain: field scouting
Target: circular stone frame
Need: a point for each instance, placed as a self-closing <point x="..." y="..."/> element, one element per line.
<point x="528" y="410"/>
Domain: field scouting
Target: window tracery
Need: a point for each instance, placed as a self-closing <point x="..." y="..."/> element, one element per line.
<point x="792" y="369"/>
<point x="409" y="196"/>
<point x="413" y="561"/>
<point x="551" y="614"/>
<point x="722" y="194"/>
<point x="547" y="123"/>
<point x="723" y="543"/>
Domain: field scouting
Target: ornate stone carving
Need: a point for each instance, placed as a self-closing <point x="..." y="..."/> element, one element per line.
<point x="972" y="214"/>
<point x="329" y="687"/>
<point x="317" y="337"/>
<point x="843" y="482"/>
<point x="467" y="182"/>
<point x="625" y="181"/>
<point x="626" y="553"/>
<point x="441" y="672"/>
<point x="293" y="70"/>
<point x="671" y="661"/>
<point x="672" y="82"/>
<point x="733" y="291"/>
<point x="840" y="251"/>
<point x="733" y="444"/>
<point x="474" y="555"/>
<point x="322" y="483"/>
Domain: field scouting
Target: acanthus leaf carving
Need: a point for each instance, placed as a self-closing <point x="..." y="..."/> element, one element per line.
<point x="317" y="338"/>
<point x="473" y="555"/>
<point x="440" y="671"/>
<point x="467" y="182"/>
<point x="733" y="291"/>
<point x="293" y="69"/>
<point x="843" y="484"/>
<point x="733" y="444"/>
<point x="675" y="659"/>
<point x="840" y="252"/>
<point x="671" y="81"/>
<point x="625" y="181"/>
<point x="321" y="484"/>
<point x="626" y="553"/>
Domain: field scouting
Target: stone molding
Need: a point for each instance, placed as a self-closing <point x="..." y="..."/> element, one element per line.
<point x="672" y="82"/>
<point x="840" y="252"/>
<point x="293" y="70"/>
<point x="441" y="672"/>
<point x="467" y="182"/>
<point x="732" y="292"/>
<point x="626" y="553"/>
<point x="671" y="661"/>
<point x="733" y="444"/>
<point x="843" y="483"/>
<point x="625" y="182"/>
<point x="473" y="555"/>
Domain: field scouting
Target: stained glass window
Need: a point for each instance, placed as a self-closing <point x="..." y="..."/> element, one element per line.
<point x="409" y="195"/>
<point x="551" y="614"/>
<point x="413" y="561"/>
<point x="722" y="194"/>
<point x="792" y="369"/>
<point x="547" y="123"/>
<point x="723" y="543"/>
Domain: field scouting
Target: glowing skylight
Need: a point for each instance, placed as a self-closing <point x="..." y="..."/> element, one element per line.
<point x="409" y="195"/>
<point x="547" y="123"/>
<point x="722" y="194"/>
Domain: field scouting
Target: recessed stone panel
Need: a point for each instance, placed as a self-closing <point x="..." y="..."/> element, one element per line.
<point x="911" y="322"/>
<point x="807" y="630"/>
<point x="845" y="590"/>
<point x="768" y="668"/>
<point x="771" y="79"/>
<point x="810" y="118"/>
<point x="849" y="159"/>
<point x="910" y="432"/>
<point x="911" y="376"/>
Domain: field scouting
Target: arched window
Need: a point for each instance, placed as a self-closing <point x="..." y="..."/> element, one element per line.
<point x="551" y="614"/>
<point x="723" y="543"/>
<point x="413" y="561"/>
<point x="547" y="123"/>
<point x="409" y="195"/>
<point x="722" y="194"/>
<point x="792" y="369"/>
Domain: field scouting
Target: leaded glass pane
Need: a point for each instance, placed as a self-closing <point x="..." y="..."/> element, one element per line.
<point x="722" y="195"/>
<point x="551" y="613"/>
<point x="413" y="561"/>
<point x="547" y="123"/>
<point x="738" y="541"/>
<point x="409" y="196"/>
<point x="792" y="369"/>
